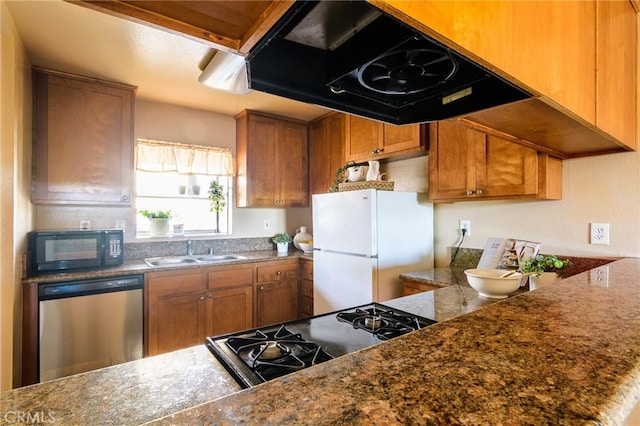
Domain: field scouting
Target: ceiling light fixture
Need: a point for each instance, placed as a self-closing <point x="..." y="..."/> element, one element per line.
<point x="226" y="71"/>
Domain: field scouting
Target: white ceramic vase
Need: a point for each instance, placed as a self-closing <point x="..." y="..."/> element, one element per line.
<point x="159" y="227"/>
<point x="301" y="235"/>
<point x="545" y="279"/>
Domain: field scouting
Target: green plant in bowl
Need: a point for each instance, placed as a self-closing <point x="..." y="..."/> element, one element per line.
<point x="282" y="238"/>
<point x="156" y="214"/>
<point x="544" y="263"/>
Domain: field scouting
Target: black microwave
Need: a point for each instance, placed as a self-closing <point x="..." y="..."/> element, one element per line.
<point x="61" y="251"/>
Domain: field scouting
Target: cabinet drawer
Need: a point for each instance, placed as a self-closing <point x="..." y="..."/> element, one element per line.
<point x="307" y="305"/>
<point x="307" y="288"/>
<point x="278" y="272"/>
<point x="174" y="283"/>
<point x="230" y="277"/>
<point x="306" y="270"/>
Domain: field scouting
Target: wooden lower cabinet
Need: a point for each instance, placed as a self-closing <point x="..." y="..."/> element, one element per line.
<point x="175" y="303"/>
<point x="305" y="299"/>
<point x="230" y="299"/>
<point x="185" y="306"/>
<point x="276" y="292"/>
<point x="412" y="287"/>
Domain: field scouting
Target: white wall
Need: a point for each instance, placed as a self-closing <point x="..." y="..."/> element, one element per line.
<point x="15" y="206"/>
<point x="173" y="123"/>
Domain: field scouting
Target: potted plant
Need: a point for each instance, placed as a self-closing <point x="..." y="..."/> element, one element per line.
<point x="282" y="241"/>
<point x="158" y="222"/>
<point x="544" y="269"/>
<point x="218" y="203"/>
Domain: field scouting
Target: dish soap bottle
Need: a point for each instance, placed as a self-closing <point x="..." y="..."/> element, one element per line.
<point x="301" y="235"/>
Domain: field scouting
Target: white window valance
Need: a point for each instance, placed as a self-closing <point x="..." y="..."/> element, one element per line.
<point x="160" y="156"/>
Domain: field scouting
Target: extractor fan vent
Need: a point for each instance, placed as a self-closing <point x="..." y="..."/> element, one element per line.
<point x="405" y="72"/>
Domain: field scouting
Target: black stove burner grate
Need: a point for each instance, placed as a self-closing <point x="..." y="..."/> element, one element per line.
<point x="271" y="354"/>
<point x="383" y="322"/>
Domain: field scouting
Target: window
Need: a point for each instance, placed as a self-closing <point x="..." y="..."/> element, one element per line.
<point x="178" y="177"/>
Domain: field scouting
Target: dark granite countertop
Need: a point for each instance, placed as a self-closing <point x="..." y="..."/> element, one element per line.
<point x="568" y="353"/>
<point x="138" y="266"/>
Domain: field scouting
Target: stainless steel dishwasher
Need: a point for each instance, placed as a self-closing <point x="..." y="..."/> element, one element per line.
<point x="89" y="324"/>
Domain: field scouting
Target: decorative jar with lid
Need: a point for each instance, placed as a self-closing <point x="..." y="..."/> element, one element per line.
<point x="301" y="235"/>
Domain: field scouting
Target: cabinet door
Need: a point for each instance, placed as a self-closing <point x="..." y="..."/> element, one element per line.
<point x="263" y="187"/>
<point x="175" y="306"/>
<point x="229" y="310"/>
<point x="83" y="140"/>
<point x="306" y="288"/>
<point x="401" y="138"/>
<point x="364" y="138"/>
<point x="507" y="169"/>
<point x="453" y="154"/>
<point x="617" y="70"/>
<point x="276" y="302"/>
<point x="326" y="152"/>
<point x="319" y="169"/>
<point x="178" y="323"/>
<point x="291" y="165"/>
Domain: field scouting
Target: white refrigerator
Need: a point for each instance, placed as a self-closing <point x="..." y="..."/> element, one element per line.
<point x="363" y="240"/>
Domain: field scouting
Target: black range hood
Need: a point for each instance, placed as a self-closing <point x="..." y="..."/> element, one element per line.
<point x="351" y="57"/>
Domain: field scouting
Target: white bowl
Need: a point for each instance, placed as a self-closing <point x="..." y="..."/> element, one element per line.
<point x="307" y="248"/>
<point x="488" y="283"/>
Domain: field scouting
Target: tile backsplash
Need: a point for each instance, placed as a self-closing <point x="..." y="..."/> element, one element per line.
<point x="142" y="249"/>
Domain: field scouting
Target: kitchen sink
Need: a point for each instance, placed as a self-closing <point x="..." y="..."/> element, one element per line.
<point x="182" y="260"/>
<point x="218" y="258"/>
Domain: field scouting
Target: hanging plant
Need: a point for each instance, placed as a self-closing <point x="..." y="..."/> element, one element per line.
<point x="218" y="203"/>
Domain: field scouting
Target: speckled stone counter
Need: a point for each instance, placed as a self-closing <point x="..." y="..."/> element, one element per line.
<point x="138" y="266"/>
<point x="568" y="353"/>
<point x="129" y="393"/>
<point x="564" y="354"/>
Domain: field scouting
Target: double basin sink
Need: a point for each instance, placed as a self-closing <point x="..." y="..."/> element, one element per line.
<point x="195" y="259"/>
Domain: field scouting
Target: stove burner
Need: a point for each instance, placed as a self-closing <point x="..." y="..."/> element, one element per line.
<point x="373" y="322"/>
<point x="269" y="350"/>
<point x="384" y="323"/>
<point x="271" y="354"/>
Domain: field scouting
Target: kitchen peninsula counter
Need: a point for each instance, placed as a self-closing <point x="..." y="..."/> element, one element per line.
<point x="564" y="354"/>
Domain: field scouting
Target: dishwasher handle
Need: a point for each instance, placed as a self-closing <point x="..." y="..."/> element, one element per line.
<point x="88" y="287"/>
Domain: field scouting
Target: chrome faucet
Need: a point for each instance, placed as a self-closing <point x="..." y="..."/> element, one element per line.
<point x="190" y="247"/>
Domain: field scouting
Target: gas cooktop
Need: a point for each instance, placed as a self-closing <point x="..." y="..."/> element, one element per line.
<point x="258" y="355"/>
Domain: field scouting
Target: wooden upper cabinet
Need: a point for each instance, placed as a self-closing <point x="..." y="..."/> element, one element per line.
<point x="82" y="140"/>
<point x="617" y="52"/>
<point x="465" y="164"/>
<point x="326" y="151"/>
<point x="372" y="140"/>
<point x="532" y="42"/>
<point x="222" y="24"/>
<point x="272" y="157"/>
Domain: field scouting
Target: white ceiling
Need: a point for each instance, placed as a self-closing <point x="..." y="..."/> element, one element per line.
<point x="165" y="67"/>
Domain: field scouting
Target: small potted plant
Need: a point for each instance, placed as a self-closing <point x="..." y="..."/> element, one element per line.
<point x="543" y="269"/>
<point x="158" y="222"/>
<point x="218" y="203"/>
<point x="282" y="241"/>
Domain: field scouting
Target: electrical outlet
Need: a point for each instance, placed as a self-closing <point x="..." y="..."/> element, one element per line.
<point x="84" y="224"/>
<point x="465" y="224"/>
<point x="600" y="233"/>
<point x="267" y="224"/>
<point x="599" y="276"/>
<point x="121" y="224"/>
